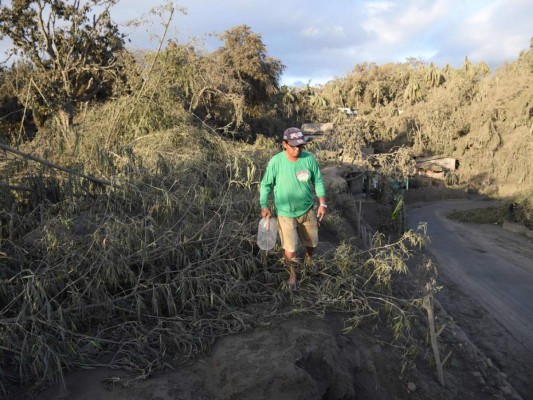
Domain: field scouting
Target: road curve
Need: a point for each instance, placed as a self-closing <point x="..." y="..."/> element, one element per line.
<point x="487" y="262"/>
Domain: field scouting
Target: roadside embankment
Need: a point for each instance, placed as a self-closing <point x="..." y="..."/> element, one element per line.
<point x="518" y="228"/>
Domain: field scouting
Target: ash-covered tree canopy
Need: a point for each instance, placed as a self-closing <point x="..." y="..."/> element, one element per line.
<point x="72" y="46"/>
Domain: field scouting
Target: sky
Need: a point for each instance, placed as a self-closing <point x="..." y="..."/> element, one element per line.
<point x="319" y="40"/>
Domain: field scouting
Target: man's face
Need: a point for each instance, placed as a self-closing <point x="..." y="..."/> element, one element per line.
<point x="293" y="151"/>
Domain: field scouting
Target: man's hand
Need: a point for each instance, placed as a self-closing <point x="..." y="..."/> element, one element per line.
<point x="321" y="212"/>
<point x="265" y="212"/>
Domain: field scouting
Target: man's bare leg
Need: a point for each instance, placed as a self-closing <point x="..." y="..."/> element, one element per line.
<point x="290" y="261"/>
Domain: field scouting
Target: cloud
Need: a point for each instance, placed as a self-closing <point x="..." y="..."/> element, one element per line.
<point x="495" y="33"/>
<point x="320" y="40"/>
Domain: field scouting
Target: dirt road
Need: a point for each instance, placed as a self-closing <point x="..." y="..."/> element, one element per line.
<point x="493" y="268"/>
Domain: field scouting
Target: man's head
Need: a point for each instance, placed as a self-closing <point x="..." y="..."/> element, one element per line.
<point x="294" y="137"/>
<point x="293" y="142"/>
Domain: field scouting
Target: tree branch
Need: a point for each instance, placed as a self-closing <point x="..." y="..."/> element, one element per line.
<point x="52" y="165"/>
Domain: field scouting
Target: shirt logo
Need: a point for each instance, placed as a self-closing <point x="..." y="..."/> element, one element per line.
<point x="302" y="176"/>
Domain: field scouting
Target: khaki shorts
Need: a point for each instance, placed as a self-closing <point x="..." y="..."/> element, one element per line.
<point x="303" y="228"/>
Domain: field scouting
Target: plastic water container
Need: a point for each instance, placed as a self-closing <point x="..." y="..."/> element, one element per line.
<point x="267" y="233"/>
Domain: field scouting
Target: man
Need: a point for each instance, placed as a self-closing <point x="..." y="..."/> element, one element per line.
<point x="291" y="173"/>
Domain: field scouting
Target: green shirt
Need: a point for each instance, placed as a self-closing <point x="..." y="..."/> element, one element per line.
<point x="291" y="181"/>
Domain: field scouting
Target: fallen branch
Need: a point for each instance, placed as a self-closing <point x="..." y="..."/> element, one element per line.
<point x="55" y="166"/>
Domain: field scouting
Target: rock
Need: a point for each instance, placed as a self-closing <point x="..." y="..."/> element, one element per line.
<point x="411" y="386"/>
<point x="317" y="128"/>
<point x="507" y="390"/>
<point x="335" y="184"/>
<point x="334" y="178"/>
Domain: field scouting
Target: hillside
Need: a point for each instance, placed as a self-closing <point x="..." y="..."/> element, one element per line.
<point x="483" y="119"/>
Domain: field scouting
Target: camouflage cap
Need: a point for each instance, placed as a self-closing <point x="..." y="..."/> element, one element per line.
<point x="294" y="137"/>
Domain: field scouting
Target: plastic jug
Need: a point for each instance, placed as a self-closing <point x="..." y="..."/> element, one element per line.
<point x="267" y="233"/>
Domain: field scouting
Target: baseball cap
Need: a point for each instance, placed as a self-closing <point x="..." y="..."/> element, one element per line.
<point x="294" y="136"/>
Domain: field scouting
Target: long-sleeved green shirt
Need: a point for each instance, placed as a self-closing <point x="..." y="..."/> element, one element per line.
<point x="291" y="182"/>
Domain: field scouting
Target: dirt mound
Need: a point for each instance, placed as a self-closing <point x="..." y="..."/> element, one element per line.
<point x="302" y="357"/>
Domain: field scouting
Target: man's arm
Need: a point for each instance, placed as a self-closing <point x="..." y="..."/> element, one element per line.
<point x="322" y="208"/>
<point x="267" y="183"/>
<point x="320" y="191"/>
